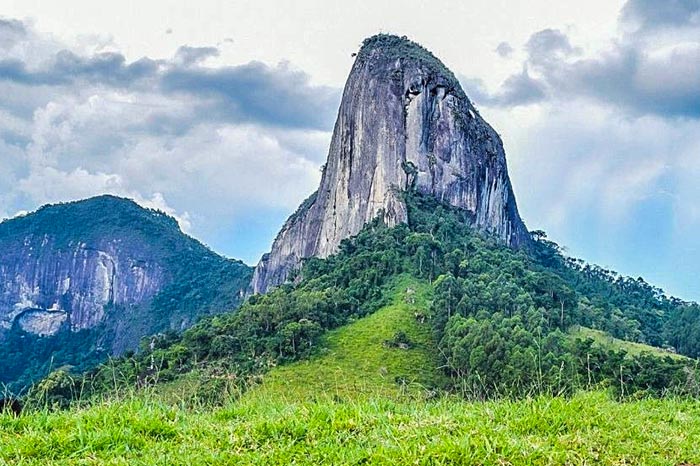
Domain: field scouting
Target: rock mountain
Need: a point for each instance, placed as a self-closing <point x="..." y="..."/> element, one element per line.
<point x="83" y="280"/>
<point x="404" y="123"/>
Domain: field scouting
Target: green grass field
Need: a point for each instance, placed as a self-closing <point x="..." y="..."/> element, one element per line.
<point x="357" y="401"/>
<point x="606" y="340"/>
<point x="586" y="429"/>
<point x="354" y="360"/>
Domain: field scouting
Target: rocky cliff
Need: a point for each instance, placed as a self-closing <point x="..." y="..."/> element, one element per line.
<point x="44" y="286"/>
<point x="104" y="272"/>
<point x="404" y="123"/>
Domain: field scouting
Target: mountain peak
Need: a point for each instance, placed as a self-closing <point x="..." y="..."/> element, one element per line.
<point x="393" y="47"/>
<point x="103" y="200"/>
<point x="67" y="218"/>
<point x="404" y="124"/>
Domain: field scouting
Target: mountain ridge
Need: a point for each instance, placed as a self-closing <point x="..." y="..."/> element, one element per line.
<point x="502" y="319"/>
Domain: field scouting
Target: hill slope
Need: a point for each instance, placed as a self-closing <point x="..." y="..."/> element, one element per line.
<point x="605" y="340"/>
<point x="498" y="320"/>
<point x="391" y="351"/>
<point x="87" y="279"/>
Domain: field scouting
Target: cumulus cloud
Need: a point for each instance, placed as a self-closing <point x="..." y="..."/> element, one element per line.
<point x="548" y="47"/>
<point x="652" y="68"/>
<point x="278" y="95"/>
<point x="12" y="32"/>
<point x="645" y="15"/>
<point x="663" y="81"/>
<point x="206" y="144"/>
<point x="603" y="163"/>
<point x="603" y="144"/>
<point x="518" y="89"/>
<point x="255" y="92"/>
<point x="187" y="55"/>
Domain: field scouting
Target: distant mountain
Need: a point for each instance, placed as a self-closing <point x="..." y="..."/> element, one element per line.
<point x="404" y="122"/>
<point x="83" y="280"/>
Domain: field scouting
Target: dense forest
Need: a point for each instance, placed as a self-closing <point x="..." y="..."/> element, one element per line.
<point x="501" y="316"/>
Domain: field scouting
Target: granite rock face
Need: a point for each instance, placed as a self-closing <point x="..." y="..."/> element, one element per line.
<point x="45" y="286"/>
<point x="404" y="123"/>
<point x="106" y="260"/>
<point x="84" y="280"/>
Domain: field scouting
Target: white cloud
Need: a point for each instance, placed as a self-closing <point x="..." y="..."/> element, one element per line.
<point x="103" y="143"/>
<point x="174" y="151"/>
<point x="579" y="156"/>
<point x="158" y="202"/>
<point x="47" y="184"/>
<point x="584" y="167"/>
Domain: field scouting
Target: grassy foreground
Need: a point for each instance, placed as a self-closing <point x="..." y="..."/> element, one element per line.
<point x="358" y="400"/>
<point x="586" y="429"/>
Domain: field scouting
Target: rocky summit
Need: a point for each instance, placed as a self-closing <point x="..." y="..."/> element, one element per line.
<point x="404" y="124"/>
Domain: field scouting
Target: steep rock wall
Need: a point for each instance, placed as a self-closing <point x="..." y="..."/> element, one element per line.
<point x="52" y="286"/>
<point x="404" y="123"/>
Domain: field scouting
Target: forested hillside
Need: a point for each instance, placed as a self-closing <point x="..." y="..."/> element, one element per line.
<point x="501" y="318"/>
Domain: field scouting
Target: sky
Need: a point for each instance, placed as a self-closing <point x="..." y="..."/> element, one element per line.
<point x="220" y="112"/>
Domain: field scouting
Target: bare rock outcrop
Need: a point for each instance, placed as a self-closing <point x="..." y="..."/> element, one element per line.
<point x="404" y="123"/>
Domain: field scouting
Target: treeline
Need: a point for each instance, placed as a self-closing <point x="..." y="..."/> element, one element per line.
<point x="501" y="316"/>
